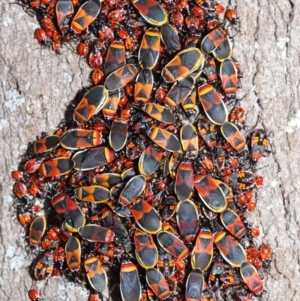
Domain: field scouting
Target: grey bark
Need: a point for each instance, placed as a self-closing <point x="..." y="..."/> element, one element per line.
<point x="37" y="85"/>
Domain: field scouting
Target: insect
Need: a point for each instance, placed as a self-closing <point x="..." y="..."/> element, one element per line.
<point x="64" y="14"/>
<point x="157" y="283"/>
<point x="187" y="220"/>
<point x="130" y="285"/>
<point x="259" y="145"/>
<point x="202" y="254"/>
<point x="86" y="15"/>
<point x="229" y="77"/>
<point x="184" y="181"/>
<point x="172" y="244"/>
<point x="143" y="86"/>
<point x="230" y="249"/>
<point x="184" y="63"/>
<point x="91" y="103"/>
<point x="73" y="253"/>
<point x="45" y="144"/>
<point x="252" y="278"/>
<point x="151" y="11"/>
<point x="44" y="267"/>
<point x="149" y="50"/>
<point x="36" y="230"/>
<point x="145" y="249"/>
<point x="56" y="167"/>
<point x="96" y="274"/>
<point x="194" y="285"/>
<point x="212" y="104"/>
<point x="95" y="233"/>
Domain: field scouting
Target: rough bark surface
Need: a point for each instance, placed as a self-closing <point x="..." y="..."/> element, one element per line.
<point x="37" y="85"/>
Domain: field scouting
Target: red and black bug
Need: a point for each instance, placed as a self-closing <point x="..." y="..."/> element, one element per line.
<point x="187" y="220"/>
<point x="184" y="181"/>
<point x="95" y="194"/>
<point x="44" y="267"/>
<point x="259" y="145"/>
<point x="86" y="15"/>
<point x="130" y="285"/>
<point x="96" y="273"/>
<point x="230" y="249"/>
<point x="64" y="14"/>
<point x="252" y="278"/>
<point x="151" y="11"/>
<point x="202" y="254"/>
<point x="194" y="285"/>
<point x="95" y="233"/>
<point x="73" y="253"/>
<point x="157" y="283"/>
<point x="212" y="104"/>
<point x="145" y="249"/>
<point x="36" y="230"/>
<point x="172" y="244"/>
<point x="233" y="136"/>
<point x="149" y="49"/>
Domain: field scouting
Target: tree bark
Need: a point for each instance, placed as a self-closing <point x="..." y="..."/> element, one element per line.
<point x="37" y="85"/>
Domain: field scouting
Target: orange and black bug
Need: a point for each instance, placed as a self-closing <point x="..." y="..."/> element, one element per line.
<point x="130" y="285"/>
<point x="91" y="103"/>
<point x="159" y="112"/>
<point x="96" y="157"/>
<point x="146" y="216"/>
<point x="189" y="140"/>
<point x="187" y="220"/>
<point x="252" y="278"/>
<point x="224" y="50"/>
<point x="229" y="79"/>
<point x="237" y="116"/>
<point x="172" y="244"/>
<point x="143" y="86"/>
<point x="158" y="283"/>
<point x="115" y="57"/>
<point x="233" y="223"/>
<point x="95" y="273"/>
<point x="230" y="249"/>
<point x="74" y="216"/>
<point x="166" y="264"/>
<point x="44" y="267"/>
<point x="145" y="249"/>
<point x="107" y="179"/>
<point x="24" y="217"/>
<point x="184" y="181"/>
<point x="120" y="77"/>
<point x="233" y="136"/>
<point x="210" y="193"/>
<point x="210" y="70"/>
<point x="150" y="160"/>
<point x="212" y="40"/>
<point x="149" y="50"/>
<point x="86" y="15"/>
<point x="36" y="230"/>
<point x="212" y="104"/>
<point x="95" y="233"/>
<point x="180" y="91"/>
<point x="194" y="285"/>
<point x="133" y="188"/>
<point x="151" y="11"/>
<point x="83" y="48"/>
<point x="95" y="194"/>
<point x="95" y="57"/>
<point x="241" y="180"/>
<point x="73" y="253"/>
<point x="110" y="108"/>
<point x="79" y="139"/>
<point x="190" y="102"/>
<point x="202" y="254"/>
<point x="64" y="13"/>
<point x="164" y="139"/>
<point x="208" y="132"/>
<point x="45" y="144"/>
<point x="20" y="190"/>
<point x="170" y="38"/>
<point x="259" y="144"/>
<point x="167" y="207"/>
<point x="184" y="63"/>
<point x="56" y="167"/>
<point x="118" y="134"/>
<point x="58" y="203"/>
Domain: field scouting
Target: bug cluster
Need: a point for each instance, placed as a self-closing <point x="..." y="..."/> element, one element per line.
<point x="144" y="194"/>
